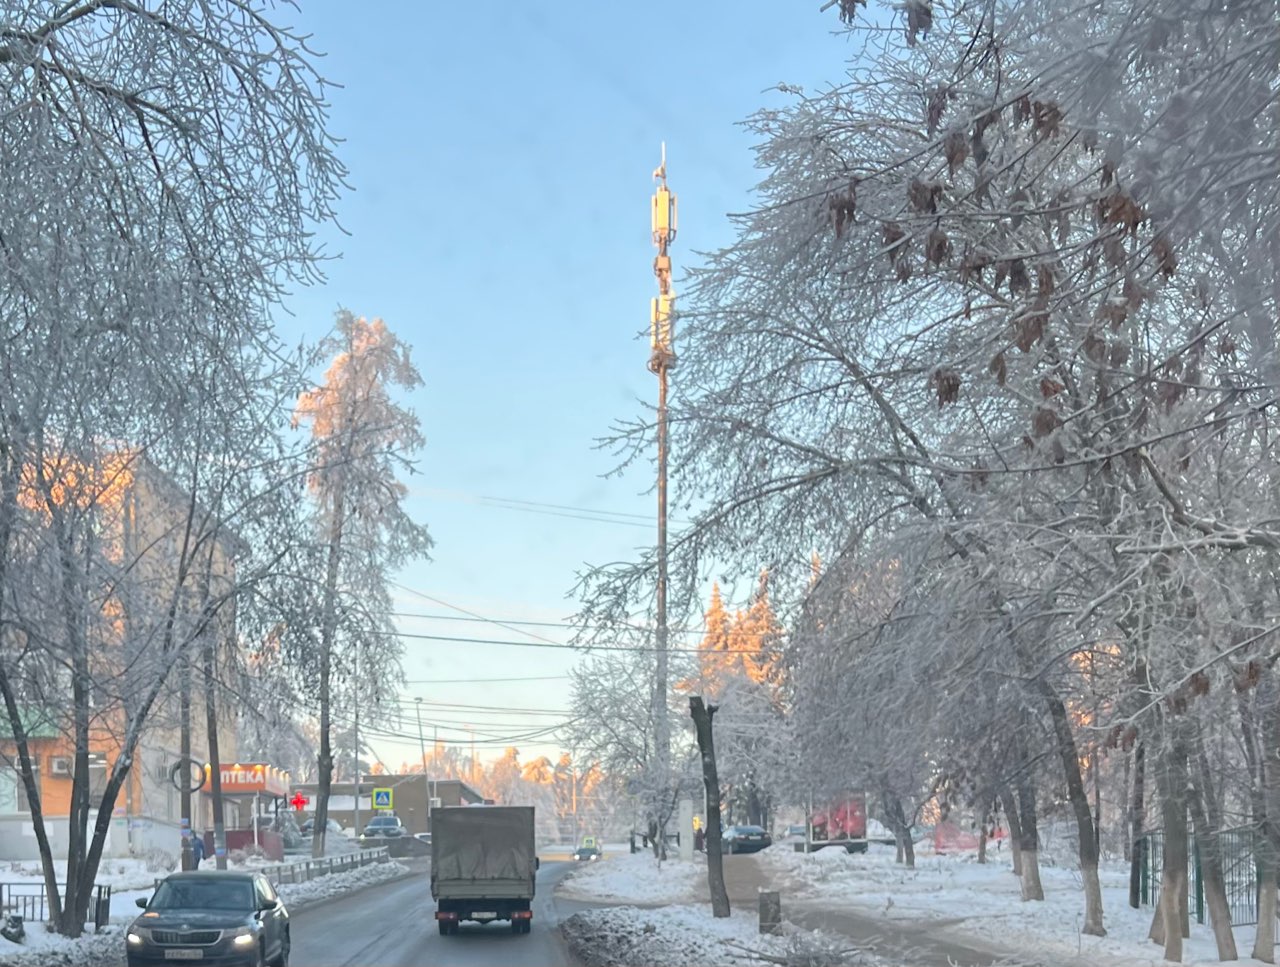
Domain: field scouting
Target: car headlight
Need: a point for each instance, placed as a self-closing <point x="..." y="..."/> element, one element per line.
<point x="244" y="938"/>
<point x="137" y="937"/>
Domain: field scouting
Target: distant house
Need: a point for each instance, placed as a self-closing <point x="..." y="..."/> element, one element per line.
<point x="141" y="522"/>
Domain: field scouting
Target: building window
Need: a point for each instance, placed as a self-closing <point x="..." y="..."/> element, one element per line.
<point x="13" y="791"/>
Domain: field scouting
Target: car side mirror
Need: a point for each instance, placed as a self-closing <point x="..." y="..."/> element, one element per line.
<point x="270" y="904"/>
<point x="537" y="863"/>
<point x="141" y="903"/>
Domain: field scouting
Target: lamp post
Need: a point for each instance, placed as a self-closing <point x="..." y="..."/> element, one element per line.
<point x="426" y="779"/>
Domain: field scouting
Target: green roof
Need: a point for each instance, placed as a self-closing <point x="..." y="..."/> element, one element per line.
<point x="37" y="723"/>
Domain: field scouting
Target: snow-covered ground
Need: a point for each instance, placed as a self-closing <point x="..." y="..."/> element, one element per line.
<point x="689" y="936"/>
<point x="637" y="878"/>
<point x="45" y="949"/>
<point x="982" y="901"/>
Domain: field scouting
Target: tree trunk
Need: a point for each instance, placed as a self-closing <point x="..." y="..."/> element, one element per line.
<point x="982" y="844"/>
<point x="897" y="817"/>
<point x="1029" y="836"/>
<point x="328" y="632"/>
<point x="71" y="923"/>
<point x="9" y="474"/>
<point x="1010" y="807"/>
<point x="215" y="758"/>
<point x="1086" y="832"/>
<point x="1172" y="921"/>
<point x="1215" y="890"/>
<point x="1269" y="835"/>
<point x="1137" y="808"/>
<point x="702" y="720"/>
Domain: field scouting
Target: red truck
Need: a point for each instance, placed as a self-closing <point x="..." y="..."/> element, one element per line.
<point x="841" y="822"/>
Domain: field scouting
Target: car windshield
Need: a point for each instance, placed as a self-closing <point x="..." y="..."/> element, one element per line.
<point x="203" y="894"/>
<point x="384" y="821"/>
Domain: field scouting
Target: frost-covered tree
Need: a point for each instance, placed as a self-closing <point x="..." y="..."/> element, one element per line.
<point x="364" y="440"/>
<point x="1010" y="285"/>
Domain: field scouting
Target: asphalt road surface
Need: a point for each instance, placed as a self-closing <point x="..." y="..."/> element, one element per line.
<point x="394" y="926"/>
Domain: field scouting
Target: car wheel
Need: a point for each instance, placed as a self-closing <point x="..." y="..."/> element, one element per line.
<point x="282" y="959"/>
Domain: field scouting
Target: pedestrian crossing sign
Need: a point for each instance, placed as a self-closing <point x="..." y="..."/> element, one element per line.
<point x="382" y="799"/>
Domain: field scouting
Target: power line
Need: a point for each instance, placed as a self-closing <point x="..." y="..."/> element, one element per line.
<point x="559" y="645"/>
<point x="471" y="614"/>
<point x="514" y="621"/>
<point x="593" y="515"/>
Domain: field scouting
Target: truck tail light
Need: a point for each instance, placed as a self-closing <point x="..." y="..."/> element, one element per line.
<point x="522" y="915"/>
<point x="446" y="916"/>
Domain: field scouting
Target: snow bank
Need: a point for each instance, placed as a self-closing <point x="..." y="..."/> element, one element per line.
<point x="637" y="878"/>
<point x="324" y="887"/>
<point x="689" y="936"/>
<point x="983" y="901"/>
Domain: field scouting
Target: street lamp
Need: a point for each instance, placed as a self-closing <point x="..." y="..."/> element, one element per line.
<point x="426" y="779"/>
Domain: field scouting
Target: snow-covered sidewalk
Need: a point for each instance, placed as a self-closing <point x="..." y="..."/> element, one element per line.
<point x="964" y="899"/>
<point x="44" y="949"/>
<point x="688" y="936"/>
<point x="637" y="878"/>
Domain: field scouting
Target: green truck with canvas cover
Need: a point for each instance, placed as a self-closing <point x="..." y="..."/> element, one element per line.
<point x="484" y="865"/>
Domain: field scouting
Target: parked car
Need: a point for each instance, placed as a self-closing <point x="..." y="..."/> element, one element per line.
<point x="331" y="826"/>
<point x="745" y="839"/>
<point x="386" y="826"/>
<point x="795" y="831"/>
<point x="587" y="854"/>
<point x="213" y="916"/>
<point x="423" y="837"/>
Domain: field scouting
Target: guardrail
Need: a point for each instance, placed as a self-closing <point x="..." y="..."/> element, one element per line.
<point x="308" y="870"/>
<point x="29" y="901"/>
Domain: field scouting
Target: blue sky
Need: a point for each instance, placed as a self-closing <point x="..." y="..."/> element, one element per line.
<point x="501" y="157"/>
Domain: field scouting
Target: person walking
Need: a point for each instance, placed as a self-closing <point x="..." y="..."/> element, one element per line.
<point x="197" y="849"/>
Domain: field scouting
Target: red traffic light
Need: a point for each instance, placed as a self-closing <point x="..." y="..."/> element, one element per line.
<point x="299" y="801"/>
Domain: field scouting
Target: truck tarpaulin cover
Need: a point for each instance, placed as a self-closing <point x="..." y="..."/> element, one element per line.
<point x="844" y="819"/>
<point x="490" y="843"/>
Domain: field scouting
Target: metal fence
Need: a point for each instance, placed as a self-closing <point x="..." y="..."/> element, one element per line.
<point x="1238" y="855"/>
<point x="308" y="870"/>
<point x="29" y="901"/>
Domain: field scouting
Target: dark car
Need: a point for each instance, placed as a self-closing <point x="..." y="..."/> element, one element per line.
<point x="745" y="839"/>
<point x="388" y="826"/>
<point x="214" y="917"/>
<point x="587" y="854"/>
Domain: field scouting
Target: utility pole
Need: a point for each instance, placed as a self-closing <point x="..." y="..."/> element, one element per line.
<point x="426" y="779"/>
<point x="184" y="756"/>
<point x="662" y="360"/>
<point x="355" y="738"/>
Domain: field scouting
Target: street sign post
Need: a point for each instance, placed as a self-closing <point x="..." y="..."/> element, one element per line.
<point x="382" y="799"/>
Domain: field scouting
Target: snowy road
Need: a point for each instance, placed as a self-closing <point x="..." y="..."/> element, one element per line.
<point x="394" y="926"/>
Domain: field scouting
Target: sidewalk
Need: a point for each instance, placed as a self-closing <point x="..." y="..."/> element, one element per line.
<point x="916" y="942"/>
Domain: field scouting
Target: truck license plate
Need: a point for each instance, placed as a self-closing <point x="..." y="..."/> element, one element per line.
<point x="485" y="915"/>
<point x="182" y="954"/>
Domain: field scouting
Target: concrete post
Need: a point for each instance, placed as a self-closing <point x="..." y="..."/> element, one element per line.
<point x="685" y="826"/>
<point x="770" y="911"/>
